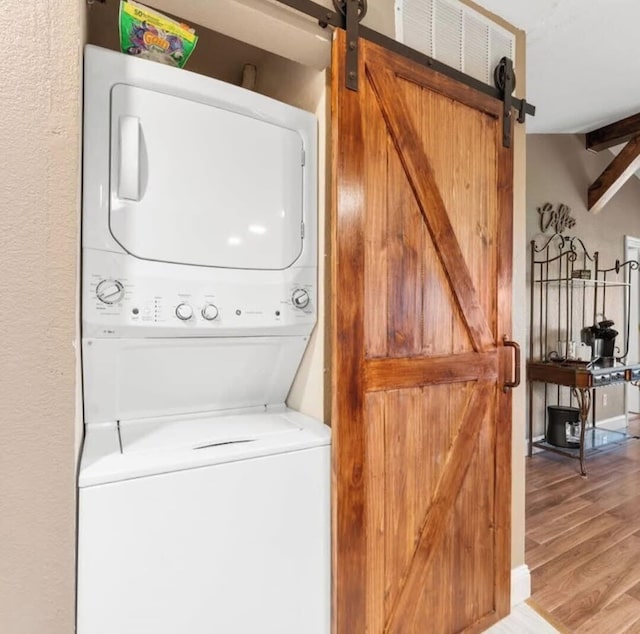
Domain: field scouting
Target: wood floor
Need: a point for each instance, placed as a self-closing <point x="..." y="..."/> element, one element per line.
<point x="583" y="538"/>
<point x="524" y="619"/>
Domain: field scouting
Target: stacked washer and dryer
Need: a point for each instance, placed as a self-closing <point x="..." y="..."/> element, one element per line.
<point x="204" y="501"/>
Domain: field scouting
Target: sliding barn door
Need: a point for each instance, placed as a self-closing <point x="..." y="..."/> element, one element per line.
<point x="421" y="300"/>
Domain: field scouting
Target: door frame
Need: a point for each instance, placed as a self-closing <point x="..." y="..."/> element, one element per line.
<point x="632" y="314"/>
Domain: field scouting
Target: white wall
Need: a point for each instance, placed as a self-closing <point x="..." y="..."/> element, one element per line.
<point x="307" y="392"/>
<point x="39" y="184"/>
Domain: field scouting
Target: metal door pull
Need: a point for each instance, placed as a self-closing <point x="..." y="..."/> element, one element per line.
<point x="516" y="364"/>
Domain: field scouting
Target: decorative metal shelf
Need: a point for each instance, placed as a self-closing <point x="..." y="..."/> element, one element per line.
<point x="595" y="439"/>
<point x="581" y="375"/>
<point x="583" y="381"/>
<point x="577" y="280"/>
<point x="562" y="304"/>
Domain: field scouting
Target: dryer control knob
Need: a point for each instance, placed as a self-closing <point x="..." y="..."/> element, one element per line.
<point x="210" y="312"/>
<point x="109" y="291"/>
<point x="300" y="298"/>
<point x="184" y="312"/>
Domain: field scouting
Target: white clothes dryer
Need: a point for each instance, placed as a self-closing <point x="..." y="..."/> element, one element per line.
<point x="204" y="502"/>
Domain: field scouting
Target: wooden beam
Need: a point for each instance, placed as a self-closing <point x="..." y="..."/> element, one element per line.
<point x="614" y="133"/>
<point x="615" y="176"/>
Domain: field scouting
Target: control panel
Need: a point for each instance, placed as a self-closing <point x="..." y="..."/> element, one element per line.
<point x="122" y="295"/>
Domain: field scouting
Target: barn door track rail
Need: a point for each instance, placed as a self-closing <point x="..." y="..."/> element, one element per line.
<point x="348" y="15"/>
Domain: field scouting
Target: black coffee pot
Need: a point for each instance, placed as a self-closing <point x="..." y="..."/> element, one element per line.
<point x="601" y="337"/>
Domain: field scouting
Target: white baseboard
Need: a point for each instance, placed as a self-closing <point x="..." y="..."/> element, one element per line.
<point x="535" y="449"/>
<point x="520" y="584"/>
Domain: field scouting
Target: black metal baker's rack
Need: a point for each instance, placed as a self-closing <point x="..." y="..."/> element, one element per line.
<point x="570" y="291"/>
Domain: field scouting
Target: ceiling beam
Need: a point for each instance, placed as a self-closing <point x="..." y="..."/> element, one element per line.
<point x="613" y="134"/>
<point x="615" y="176"/>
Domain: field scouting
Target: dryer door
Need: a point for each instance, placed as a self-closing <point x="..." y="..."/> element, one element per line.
<point x="196" y="184"/>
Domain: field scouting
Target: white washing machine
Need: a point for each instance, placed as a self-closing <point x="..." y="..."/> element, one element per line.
<point x="204" y="502"/>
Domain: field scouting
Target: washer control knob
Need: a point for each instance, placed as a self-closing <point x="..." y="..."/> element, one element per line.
<point x="109" y="291"/>
<point x="184" y="312"/>
<point x="210" y="312"/>
<point x="300" y="298"/>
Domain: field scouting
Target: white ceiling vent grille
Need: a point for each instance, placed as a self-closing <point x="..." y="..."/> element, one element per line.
<point x="455" y="35"/>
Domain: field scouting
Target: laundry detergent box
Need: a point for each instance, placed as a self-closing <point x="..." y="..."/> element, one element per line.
<point x="151" y="35"/>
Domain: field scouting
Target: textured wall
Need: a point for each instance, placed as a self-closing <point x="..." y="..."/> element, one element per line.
<point x="39" y="184"/>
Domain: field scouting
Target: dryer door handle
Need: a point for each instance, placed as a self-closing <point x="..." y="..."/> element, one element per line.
<point x="129" y="160"/>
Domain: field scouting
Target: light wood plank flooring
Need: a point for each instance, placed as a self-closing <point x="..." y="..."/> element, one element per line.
<point x="524" y="619"/>
<point x="583" y="538"/>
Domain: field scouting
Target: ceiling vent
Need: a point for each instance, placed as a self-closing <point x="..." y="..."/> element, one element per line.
<point x="455" y="35"/>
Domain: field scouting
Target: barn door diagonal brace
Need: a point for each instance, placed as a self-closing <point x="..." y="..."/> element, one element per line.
<point x="505" y="80"/>
<point x="353" y="12"/>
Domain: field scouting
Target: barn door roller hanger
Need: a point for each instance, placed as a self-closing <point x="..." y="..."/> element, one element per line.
<point x="353" y="12"/>
<point x="504" y="77"/>
<point x="349" y="14"/>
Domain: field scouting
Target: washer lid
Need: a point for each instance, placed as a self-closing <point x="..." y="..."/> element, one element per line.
<point x="115" y="452"/>
<point x="203" y="432"/>
<point x="192" y="183"/>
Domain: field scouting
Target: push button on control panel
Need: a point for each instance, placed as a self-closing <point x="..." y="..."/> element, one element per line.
<point x="184" y="312"/>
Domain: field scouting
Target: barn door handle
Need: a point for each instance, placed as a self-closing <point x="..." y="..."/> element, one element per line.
<point x="516" y="364"/>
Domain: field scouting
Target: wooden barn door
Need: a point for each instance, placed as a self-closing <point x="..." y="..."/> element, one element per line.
<point x="421" y="288"/>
